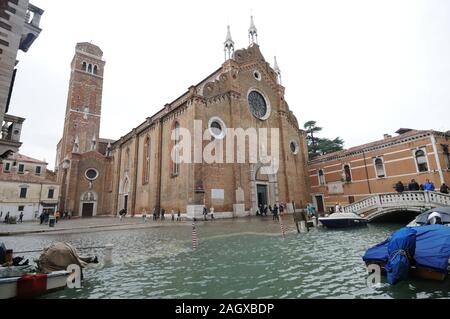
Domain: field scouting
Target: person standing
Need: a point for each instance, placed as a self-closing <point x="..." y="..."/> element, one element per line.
<point x="163" y="211"/>
<point x="144" y="216"/>
<point x="275" y="212"/>
<point x="338" y="208"/>
<point x="7" y="217"/>
<point x="21" y="217"/>
<point x="179" y="216"/>
<point x="428" y="186"/>
<point x="205" y="213"/>
<point x="444" y="189"/>
<point x="399" y="187"/>
<point x="173" y="215"/>
<point x="212" y="213"/>
<point x="413" y="186"/>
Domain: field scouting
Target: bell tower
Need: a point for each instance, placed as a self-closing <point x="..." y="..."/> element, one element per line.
<point x="84" y="102"/>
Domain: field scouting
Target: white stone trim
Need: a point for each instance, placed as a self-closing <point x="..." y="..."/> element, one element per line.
<point x="222" y="124"/>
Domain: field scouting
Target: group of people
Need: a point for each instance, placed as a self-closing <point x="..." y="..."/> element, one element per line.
<point x="275" y="210"/>
<point x="207" y="211"/>
<point x="414" y="186"/>
<point x="8" y="217"/>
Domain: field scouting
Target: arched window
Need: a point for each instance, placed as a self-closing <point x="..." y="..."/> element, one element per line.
<point x="421" y="160"/>
<point x="379" y="167"/>
<point x="176" y="150"/>
<point x="347" y="173"/>
<point x="84" y="66"/>
<point x="95" y="69"/>
<point x="322" y="180"/>
<point x="146" y="162"/>
<point x="89" y="68"/>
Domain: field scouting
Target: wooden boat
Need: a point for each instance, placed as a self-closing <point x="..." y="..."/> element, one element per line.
<point x="417" y="272"/>
<point x="29" y="285"/>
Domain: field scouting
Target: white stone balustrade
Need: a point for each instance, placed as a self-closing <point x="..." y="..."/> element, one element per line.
<point x="378" y="203"/>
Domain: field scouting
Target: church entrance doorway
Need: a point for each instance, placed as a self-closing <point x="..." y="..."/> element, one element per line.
<point x="125" y="202"/>
<point x="87" y="210"/>
<point x="88" y="204"/>
<point x="262" y="194"/>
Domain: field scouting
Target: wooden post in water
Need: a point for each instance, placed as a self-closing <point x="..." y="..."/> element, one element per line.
<point x="107" y="258"/>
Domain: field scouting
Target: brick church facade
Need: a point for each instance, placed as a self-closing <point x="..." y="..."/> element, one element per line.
<point x="141" y="171"/>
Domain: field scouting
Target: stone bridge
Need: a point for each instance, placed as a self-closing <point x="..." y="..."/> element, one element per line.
<point x="379" y="205"/>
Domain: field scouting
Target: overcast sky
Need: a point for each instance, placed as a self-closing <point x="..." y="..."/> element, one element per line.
<point x="359" y="68"/>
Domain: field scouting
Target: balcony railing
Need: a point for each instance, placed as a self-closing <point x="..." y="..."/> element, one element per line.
<point x="31" y="29"/>
<point x="10" y="134"/>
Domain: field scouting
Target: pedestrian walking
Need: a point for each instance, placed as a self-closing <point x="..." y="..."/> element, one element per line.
<point x="21" y="217"/>
<point x="212" y="213"/>
<point x="7" y="217"/>
<point x="173" y="215"/>
<point x="205" y="213"/>
<point x="275" y="213"/>
<point x="163" y="211"/>
<point x="178" y="216"/>
<point x="144" y="216"/>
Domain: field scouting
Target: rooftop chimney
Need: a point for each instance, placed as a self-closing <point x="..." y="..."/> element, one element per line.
<point x="386" y="136"/>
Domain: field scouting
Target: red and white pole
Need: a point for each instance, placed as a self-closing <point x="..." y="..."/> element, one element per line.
<point x="194" y="236"/>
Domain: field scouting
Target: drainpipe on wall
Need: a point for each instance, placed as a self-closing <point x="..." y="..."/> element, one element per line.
<point x="367" y="173"/>
<point x="436" y="156"/>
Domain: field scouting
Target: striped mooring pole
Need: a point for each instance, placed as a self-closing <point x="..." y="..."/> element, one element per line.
<point x="282" y="226"/>
<point x="194" y="236"/>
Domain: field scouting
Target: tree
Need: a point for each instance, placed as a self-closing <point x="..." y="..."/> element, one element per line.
<point x="311" y="128"/>
<point x="320" y="146"/>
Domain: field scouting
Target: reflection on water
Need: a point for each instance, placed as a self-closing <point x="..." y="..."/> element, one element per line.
<point x="243" y="258"/>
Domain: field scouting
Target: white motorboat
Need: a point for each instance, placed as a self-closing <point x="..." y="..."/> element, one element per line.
<point x="342" y="220"/>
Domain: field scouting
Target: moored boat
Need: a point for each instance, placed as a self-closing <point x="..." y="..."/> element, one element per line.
<point x="439" y="215"/>
<point x="342" y="220"/>
<point x="29" y="285"/>
<point x="428" y="260"/>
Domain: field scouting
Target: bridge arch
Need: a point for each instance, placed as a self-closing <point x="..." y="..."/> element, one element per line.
<point x="395" y="214"/>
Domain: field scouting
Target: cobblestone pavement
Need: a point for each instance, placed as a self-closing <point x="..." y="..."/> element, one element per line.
<point x="83" y="224"/>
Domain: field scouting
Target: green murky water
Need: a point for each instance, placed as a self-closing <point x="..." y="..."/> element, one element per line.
<point x="243" y="258"/>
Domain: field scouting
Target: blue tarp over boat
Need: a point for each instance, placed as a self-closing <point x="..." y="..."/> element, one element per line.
<point x="432" y="248"/>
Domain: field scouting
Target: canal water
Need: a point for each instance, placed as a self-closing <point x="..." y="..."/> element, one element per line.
<point x="241" y="258"/>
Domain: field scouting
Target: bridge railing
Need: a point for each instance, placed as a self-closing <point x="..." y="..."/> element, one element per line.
<point x="404" y="199"/>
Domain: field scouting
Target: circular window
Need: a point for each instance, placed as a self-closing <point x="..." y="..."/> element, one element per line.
<point x="257" y="75"/>
<point x="91" y="174"/>
<point x="294" y="147"/>
<point x="258" y="105"/>
<point x="217" y="127"/>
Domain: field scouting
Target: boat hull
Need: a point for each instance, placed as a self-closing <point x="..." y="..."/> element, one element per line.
<point x="33" y="285"/>
<point x="418" y="272"/>
<point x="342" y="222"/>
